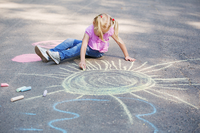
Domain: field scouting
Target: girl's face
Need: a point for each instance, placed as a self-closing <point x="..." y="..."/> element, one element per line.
<point x="104" y="28"/>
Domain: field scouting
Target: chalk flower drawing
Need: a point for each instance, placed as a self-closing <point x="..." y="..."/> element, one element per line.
<point x="112" y="78"/>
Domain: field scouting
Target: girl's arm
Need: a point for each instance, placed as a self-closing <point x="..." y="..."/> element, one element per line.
<point x="82" y="63"/>
<point x="123" y="48"/>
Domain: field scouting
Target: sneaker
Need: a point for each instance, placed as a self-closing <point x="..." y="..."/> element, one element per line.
<point x="55" y="56"/>
<point x="41" y="52"/>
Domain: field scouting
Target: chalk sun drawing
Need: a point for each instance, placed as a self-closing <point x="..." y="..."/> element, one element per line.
<point x="114" y="79"/>
<point x="106" y="82"/>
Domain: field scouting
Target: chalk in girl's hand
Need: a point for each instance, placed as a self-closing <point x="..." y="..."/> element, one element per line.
<point x="26" y="89"/>
<point x="4" y="85"/>
<point x="16" y="98"/>
<point x="19" y="89"/>
<point x="84" y="68"/>
<point x="44" y="93"/>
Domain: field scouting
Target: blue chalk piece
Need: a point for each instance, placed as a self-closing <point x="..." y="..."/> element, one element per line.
<point x="26" y="89"/>
<point x="19" y="89"/>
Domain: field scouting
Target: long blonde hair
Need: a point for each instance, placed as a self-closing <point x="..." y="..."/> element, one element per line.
<point x="104" y="21"/>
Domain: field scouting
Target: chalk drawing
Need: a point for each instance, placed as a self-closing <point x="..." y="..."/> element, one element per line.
<point x="125" y="109"/>
<point x="26" y="58"/>
<point x="75" y="115"/>
<point x="113" y="79"/>
<point x="28" y="113"/>
<point x="48" y="44"/>
<point x="29" y="129"/>
<point x="106" y="82"/>
<point x="139" y="115"/>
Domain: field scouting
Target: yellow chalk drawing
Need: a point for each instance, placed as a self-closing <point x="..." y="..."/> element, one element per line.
<point x="79" y="96"/>
<point x="111" y="79"/>
<point x="178" y="99"/>
<point x="139" y="96"/>
<point x="125" y="109"/>
<point x="106" y="82"/>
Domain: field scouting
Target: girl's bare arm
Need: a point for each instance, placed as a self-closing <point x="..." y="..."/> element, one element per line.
<point x="85" y="40"/>
<point x="121" y="44"/>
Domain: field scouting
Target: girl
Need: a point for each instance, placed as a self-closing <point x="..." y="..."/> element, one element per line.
<point x="94" y="43"/>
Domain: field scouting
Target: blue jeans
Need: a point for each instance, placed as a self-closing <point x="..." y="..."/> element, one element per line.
<point x="72" y="47"/>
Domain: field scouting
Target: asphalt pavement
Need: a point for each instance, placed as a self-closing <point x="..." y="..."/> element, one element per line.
<point x="158" y="93"/>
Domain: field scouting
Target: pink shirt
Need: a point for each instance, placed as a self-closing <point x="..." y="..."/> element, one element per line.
<point x="95" y="42"/>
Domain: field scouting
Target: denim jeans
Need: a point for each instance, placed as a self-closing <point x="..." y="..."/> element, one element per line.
<point x="72" y="47"/>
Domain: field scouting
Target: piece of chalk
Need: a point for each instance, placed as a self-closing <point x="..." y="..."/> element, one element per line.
<point x="44" y="93"/>
<point x="84" y="69"/>
<point x="4" y="85"/>
<point x="17" y="98"/>
<point x="26" y="89"/>
<point x="19" y="89"/>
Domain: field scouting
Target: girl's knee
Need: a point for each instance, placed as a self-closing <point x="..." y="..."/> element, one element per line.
<point x="69" y="40"/>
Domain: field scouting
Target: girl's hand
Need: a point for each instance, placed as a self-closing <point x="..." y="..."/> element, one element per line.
<point x="129" y="59"/>
<point x="82" y="65"/>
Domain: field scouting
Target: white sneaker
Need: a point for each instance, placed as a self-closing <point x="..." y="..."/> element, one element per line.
<point x="55" y="56"/>
<point x="41" y="52"/>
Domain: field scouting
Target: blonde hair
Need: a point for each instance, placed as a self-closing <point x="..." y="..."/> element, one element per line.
<point x="104" y="21"/>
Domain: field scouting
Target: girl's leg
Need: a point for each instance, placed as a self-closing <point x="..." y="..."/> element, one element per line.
<point x="75" y="51"/>
<point x="69" y="43"/>
<point x="93" y="53"/>
<point x="72" y="51"/>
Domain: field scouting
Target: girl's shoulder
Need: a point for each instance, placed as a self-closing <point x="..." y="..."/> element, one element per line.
<point x="110" y="31"/>
<point x="90" y="30"/>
